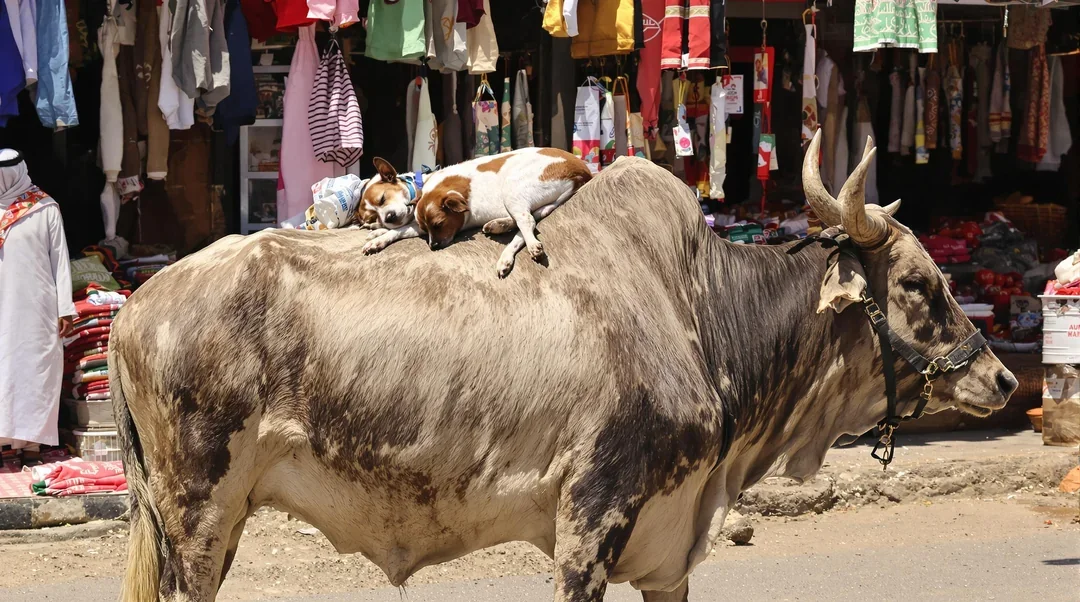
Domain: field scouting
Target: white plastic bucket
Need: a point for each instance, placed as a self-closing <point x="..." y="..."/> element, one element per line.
<point x="1061" y="329"/>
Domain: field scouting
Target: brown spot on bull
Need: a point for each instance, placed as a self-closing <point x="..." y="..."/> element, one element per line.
<point x="494" y="165"/>
<point x="569" y="168"/>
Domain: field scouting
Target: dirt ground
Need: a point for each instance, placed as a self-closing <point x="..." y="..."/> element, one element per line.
<point x="279" y="557"/>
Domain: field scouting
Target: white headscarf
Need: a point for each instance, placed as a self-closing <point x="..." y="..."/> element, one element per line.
<point x="14" y="179"/>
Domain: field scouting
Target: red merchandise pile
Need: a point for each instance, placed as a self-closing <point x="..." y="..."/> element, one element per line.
<point x="953" y="245"/>
<point x="86" y="346"/>
<point x="75" y="478"/>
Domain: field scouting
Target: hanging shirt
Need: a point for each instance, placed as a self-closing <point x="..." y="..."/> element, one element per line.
<point x="22" y="15"/>
<point x="200" y="55"/>
<point x="471" y="12"/>
<point x="342" y="13"/>
<point x="395" y="31"/>
<point x="605" y="27"/>
<point x="12" y="76"/>
<point x="177" y="108"/>
<point x="260" y="17"/>
<point x="895" y="24"/>
<point x="238" y="108"/>
<point x="447" y="39"/>
<point x="291" y="15"/>
<point x="648" y="71"/>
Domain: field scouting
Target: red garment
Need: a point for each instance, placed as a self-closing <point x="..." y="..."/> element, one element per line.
<point x="1035" y="132"/>
<point x="648" y="78"/>
<point x="469" y="12"/>
<point x="261" y="18"/>
<point x="292" y="15"/>
<point x="686" y="25"/>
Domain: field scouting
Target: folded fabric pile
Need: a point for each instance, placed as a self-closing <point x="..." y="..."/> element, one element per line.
<point x="1068" y="289"/>
<point x="77" y="477"/>
<point x="139" y="269"/>
<point x="87" y="346"/>
<point x="944" y="250"/>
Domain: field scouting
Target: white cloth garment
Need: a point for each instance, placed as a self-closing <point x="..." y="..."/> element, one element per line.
<point x="112" y="121"/>
<point x="825" y="68"/>
<point x="1060" y="140"/>
<point x="569" y="15"/>
<point x="483" y="46"/>
<point x="22" y="14"/>
<point x="35" y="291"/>
<point x="177" y="107"/>
<point x="809" y="83"/>
<point x="420" y="121"/>
<point x="447" y="47"/>
<point x="718" y="141"/>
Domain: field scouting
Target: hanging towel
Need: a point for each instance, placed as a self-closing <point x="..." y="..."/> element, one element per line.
<point x="55" y="101"/>
<point x="111" y="118"/>
<point x="718" y="141"/>
<point x="1035" y="132"/>
<point x="505" y="143"/>
<point x="486" y="119"/>
<point x="395" y="30"/>
<point x="648" y="71"/>
<point x="522" y="111"/>
<point x="482" y="45"/>
<point x="302" y="170"/>
<point x="932" y="93"/>
<point x="864" y="128"/>
<point x="1059" y="140"/>
<point x="809" y="84"/>
<point x="177" y="108"/>
<point x="1000" y="99"/>
<point x="337" y="129"/>
<point x="606" y="27"/>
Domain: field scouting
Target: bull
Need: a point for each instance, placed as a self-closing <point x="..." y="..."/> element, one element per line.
<point x="609" y="409"/>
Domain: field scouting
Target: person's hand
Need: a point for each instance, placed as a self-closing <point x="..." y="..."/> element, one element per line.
<point x="64" y="326"/>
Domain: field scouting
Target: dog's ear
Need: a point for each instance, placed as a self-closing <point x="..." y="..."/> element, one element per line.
<point x="386" y="171"/>
<point x="455" y="201"/>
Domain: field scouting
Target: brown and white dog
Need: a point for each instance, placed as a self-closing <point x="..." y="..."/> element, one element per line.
<point x="499" y="192"/>
<point x="387" y="200"/>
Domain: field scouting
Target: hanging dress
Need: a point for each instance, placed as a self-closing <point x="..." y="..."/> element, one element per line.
<point x="12" y="75"/>
<point x="302" y="169"/>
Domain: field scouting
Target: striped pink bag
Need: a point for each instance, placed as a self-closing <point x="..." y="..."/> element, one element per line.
<point x="337" y="130"/>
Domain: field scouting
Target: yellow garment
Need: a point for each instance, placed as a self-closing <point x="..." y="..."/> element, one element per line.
<point x="553" y="19"/>
<point x="604" y="27"/>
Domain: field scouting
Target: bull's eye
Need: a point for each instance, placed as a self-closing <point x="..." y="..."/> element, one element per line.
<point x="914" y="285"/>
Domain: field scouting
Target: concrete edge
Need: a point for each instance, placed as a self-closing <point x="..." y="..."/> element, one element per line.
<point x="42" y="512"/>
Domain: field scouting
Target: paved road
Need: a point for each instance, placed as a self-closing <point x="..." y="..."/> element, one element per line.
<point x="948" y="551"/>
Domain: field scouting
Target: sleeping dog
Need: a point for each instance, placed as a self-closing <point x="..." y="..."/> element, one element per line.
<point x="387" y="201"/>
<point x="499" y="192"/>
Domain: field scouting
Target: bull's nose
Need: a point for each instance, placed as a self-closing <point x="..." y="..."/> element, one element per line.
<point x="1007" y="382"/>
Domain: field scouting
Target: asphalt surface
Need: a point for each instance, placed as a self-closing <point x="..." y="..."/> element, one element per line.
<point x="950" y="550"/>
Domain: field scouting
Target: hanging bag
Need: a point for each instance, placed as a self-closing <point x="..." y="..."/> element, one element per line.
<point x="505" y="145"/>
<point x="624" y="139"/>
<point x="425" y="137"/>
<point x="337" y="130"/>
<point x="587" y="124"/>
<point x="522" y="112"/>
<point x="486" y="120"/>
<point x="607" y="126"/>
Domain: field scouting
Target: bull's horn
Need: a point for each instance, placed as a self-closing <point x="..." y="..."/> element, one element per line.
<point x="892" y="207"/>
<point x="825" y="206"/>
<point x="866" y="228"/>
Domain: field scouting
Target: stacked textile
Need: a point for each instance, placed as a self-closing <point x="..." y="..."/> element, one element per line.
<point x="86" y="347"/>
<point x="945" y="250"/>
<point x="77" y="477"/>
<point x="139" y="269"/>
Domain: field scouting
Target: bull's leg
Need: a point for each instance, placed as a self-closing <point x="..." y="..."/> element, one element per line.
<point x="682" y="594"/>
<point x="590" y="536"/>
<point x="234" y="543"/>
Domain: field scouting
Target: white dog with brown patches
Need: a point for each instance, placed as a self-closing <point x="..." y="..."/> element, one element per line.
<point x="517" y="188"/>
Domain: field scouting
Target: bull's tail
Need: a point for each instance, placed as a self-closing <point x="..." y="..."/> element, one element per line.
<point x="145" y="545"/>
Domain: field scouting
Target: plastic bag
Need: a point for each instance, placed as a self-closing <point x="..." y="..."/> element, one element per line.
<point x="334" y="199"/>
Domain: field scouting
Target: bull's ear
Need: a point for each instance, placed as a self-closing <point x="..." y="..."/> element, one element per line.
<point x="844" y="283"/>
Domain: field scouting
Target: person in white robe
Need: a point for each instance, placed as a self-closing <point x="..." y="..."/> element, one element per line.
<point x="35" y="307"/>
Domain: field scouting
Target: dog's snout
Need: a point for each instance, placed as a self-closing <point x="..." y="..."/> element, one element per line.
<point x="391" y="216"/>
<point x="1007" y="382"/>
<point x="435" y="245"/>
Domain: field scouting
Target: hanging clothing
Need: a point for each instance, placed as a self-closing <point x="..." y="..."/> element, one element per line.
<point x="560" y="18"/>
<point x="922" y="156"/>
<point x="505" y="144"/>
<point x="842" y="158"/>
<point x="341" y="13"/>
<point x="447" y="38"/>
<point x="395" y="31"/>
<point x="35" y="292"/>
<point x="895" y="24"/>
<point x="302" y="169"/>
<point x="291" y="15"/>
<point x="686" y="25"/>
<point x="809" y="83"/>
<point x="717" y="35"/>
<point x="422" y="136"/>
<point x="864" y="128"/>
<point x="238" y="108"/>
<point x="111" y="119"/>
<point x="1035" y="131"/>
<point x="12" y="76"/>
<point x="648" y="69"/>
<point x="979" y="60"/>
<point x="337" y="131"/>
<point x="130" y="182"/>
<point x="522" y="112"/>
<point x="954" y="95"/>
<point x="907" y="124"/>
<point x="22" y="16"/>
<point x="933" y="106"/>
<point x="260" y="18"/>
<point x="834" y="129"/>
<point x="1028" y="26"/>
<point x="482" y="44"/>
<point x="1000" y="99"/>
<point x="486" y="121"/>
<point x="472" y="12"/>
<point x="717" y="141"/>
<point x="177" y="108"/>
<point x="451" y="139"/>
<point x="1059" y="139"/>
<point x="605" y="27"/>
<point x="54" y="100"/>
<point x="149" y="121"/>
<point x="200" y="55"/>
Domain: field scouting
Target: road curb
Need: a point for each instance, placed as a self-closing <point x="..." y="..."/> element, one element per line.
<point x="40" y="512"/>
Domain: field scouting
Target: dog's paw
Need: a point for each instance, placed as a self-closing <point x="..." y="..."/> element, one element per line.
<point x="500" y="225"/>
<point x="537" y="251"/>
<point x="374" y="246"/>
<point x="373" y="234"/>
<point x="504" y="267"/>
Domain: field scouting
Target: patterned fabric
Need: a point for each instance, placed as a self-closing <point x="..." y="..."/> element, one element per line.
<point x="1035" y="133"/>
<point x="686" y="25"/>
<point x="933" y="107"/>
<point x="1028" y="26"/>
<point x="486" y="118"/>
<point x="1000" y="110"/>
<point x="17" y="210"/>
<point x="337" y="130"/>
<point x="954" y="96"/>
<point x="809" y="85"/>
<point x="505" y="143"/>
<point x="895" y="24"/>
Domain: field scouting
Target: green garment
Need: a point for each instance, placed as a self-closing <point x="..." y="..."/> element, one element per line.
<point x="895" y="24"/>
